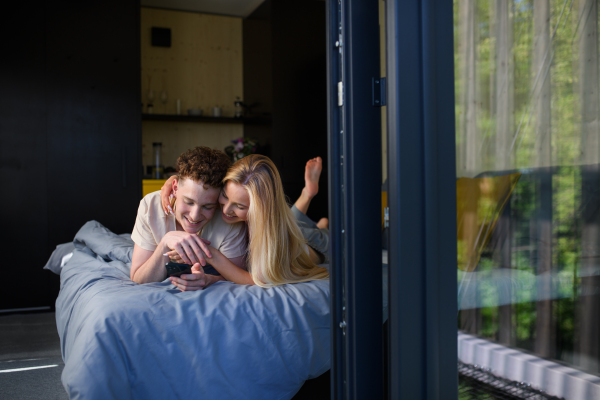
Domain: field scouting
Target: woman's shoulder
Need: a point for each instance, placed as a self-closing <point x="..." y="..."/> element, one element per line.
<point x="230" y="239"/>
<point x="219" y="227"/>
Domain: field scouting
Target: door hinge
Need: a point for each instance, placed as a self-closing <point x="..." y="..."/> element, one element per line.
<point x="379" y="94"/>
<point x="340" y="93"/>
<point x="386" y="217"/>
<point x="343" y="327"/>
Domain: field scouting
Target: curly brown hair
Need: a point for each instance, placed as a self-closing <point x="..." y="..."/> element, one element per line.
<point x="203" y="164"/>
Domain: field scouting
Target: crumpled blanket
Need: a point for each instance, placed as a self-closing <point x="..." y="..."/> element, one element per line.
<point x="123" y="340"/>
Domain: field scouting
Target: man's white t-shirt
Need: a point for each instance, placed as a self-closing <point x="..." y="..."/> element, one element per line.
<point x="152" y="224"/>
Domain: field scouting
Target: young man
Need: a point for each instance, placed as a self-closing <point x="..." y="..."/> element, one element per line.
<point x="190" y="227"/>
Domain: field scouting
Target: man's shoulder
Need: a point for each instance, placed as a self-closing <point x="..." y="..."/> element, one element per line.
<point x="151" y="223"/>
<point x="152" y="197"/>
<point x="151" y="201"/>
<point x="151" y="210"/>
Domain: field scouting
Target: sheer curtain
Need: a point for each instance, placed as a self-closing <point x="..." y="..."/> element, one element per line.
<point x="527" y="106"/>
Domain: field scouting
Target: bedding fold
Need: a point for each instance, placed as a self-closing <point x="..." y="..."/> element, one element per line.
<point x="123" y="340"/>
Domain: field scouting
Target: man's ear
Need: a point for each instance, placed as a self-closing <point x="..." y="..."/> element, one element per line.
<point x="175" y="186"/>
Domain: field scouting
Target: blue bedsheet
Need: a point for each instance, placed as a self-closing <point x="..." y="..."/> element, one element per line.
<point x="122" y="340"/>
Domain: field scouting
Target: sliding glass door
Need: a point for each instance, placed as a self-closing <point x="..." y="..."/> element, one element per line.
<point x="528" y="156"/>
<point x="422" y="195"/>
<point x="492" y="154"/>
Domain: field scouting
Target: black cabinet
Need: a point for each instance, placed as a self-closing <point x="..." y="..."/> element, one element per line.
<point x="70" y="132"/>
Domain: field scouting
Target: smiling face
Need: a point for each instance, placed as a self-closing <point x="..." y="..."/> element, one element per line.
<point x="195" y="204"/>
<point x="235" y="201"/>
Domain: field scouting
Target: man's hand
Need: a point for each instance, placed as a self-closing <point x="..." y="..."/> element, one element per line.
<point x="197" y="280"/>
<point x="190" y="247"/>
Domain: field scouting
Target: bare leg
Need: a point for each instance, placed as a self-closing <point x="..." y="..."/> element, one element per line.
<point x="312" y="173"/>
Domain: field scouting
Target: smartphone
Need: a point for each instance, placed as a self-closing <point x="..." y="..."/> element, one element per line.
<point x="176" y="269"/>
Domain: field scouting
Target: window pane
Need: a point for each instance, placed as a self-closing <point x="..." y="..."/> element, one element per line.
<point x="528" y="185"/>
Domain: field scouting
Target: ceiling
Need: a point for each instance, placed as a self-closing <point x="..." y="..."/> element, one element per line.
<point x="234" y="8"/>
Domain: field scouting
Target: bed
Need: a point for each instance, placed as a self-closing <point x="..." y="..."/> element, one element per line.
<point x="120" y="339"/>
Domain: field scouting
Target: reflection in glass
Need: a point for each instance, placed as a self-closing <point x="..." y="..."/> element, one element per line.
<point x="528" y="182"/>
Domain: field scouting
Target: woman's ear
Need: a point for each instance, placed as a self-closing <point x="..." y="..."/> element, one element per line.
<point x="175" y="186"/>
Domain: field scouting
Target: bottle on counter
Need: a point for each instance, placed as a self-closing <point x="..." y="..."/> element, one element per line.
<point x="157" y="169"/>
<point x="239" y="108"/>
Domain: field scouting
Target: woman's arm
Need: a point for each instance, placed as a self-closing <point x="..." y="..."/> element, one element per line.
<point x="229" y="270"/>
<point x="166" y="192"/>
<point x="317" y="258"/>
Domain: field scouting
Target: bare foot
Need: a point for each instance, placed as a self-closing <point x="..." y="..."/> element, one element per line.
<point x="311" y="176"/>
<point x="312" y="172"/>
<point x="323" y="223"/>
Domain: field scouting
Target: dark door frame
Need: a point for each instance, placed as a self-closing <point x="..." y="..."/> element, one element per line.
<point x="422" y="200"/>
<point x="355" y="199"/>
<point x="422" y="345"/>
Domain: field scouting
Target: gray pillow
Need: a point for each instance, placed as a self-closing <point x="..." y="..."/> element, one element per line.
<point x="55" y="261"/>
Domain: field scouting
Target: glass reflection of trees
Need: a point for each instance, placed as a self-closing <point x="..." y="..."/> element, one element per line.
<point x="527" y="100"/>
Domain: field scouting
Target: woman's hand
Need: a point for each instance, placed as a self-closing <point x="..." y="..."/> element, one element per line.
<point x="197" y="280"/>
<point x="232" y="270"/>
<point x="174" y="257"/>
<point x="189" y="248"/>
<point x="166" y="194"/>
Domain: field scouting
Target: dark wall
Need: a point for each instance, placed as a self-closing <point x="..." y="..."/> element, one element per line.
<point x="258" y="74"/>
<point x="70" y="132"/>
<point x="285" y="73"/>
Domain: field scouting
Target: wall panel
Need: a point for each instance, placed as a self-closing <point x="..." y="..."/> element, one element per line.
<point x="69" y="132"/>
<point x="177" y="137"/>
<point x="93" y="115"/>
<point x="23" y="158"/>
<point x="203" y="66"/>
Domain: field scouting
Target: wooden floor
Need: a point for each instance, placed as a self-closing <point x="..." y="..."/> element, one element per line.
<point x="30" y="359"/>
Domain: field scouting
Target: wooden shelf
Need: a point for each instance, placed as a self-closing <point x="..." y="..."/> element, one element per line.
<point x="219" y="120"/>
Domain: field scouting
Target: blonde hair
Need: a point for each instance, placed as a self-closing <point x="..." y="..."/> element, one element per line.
<point x="277" y="249"/>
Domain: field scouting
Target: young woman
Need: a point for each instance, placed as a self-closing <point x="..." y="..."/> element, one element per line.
<point x="277" y="251"/>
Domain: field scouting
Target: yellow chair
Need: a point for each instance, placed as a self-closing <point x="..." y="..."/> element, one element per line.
<point x="479" y="203"/>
